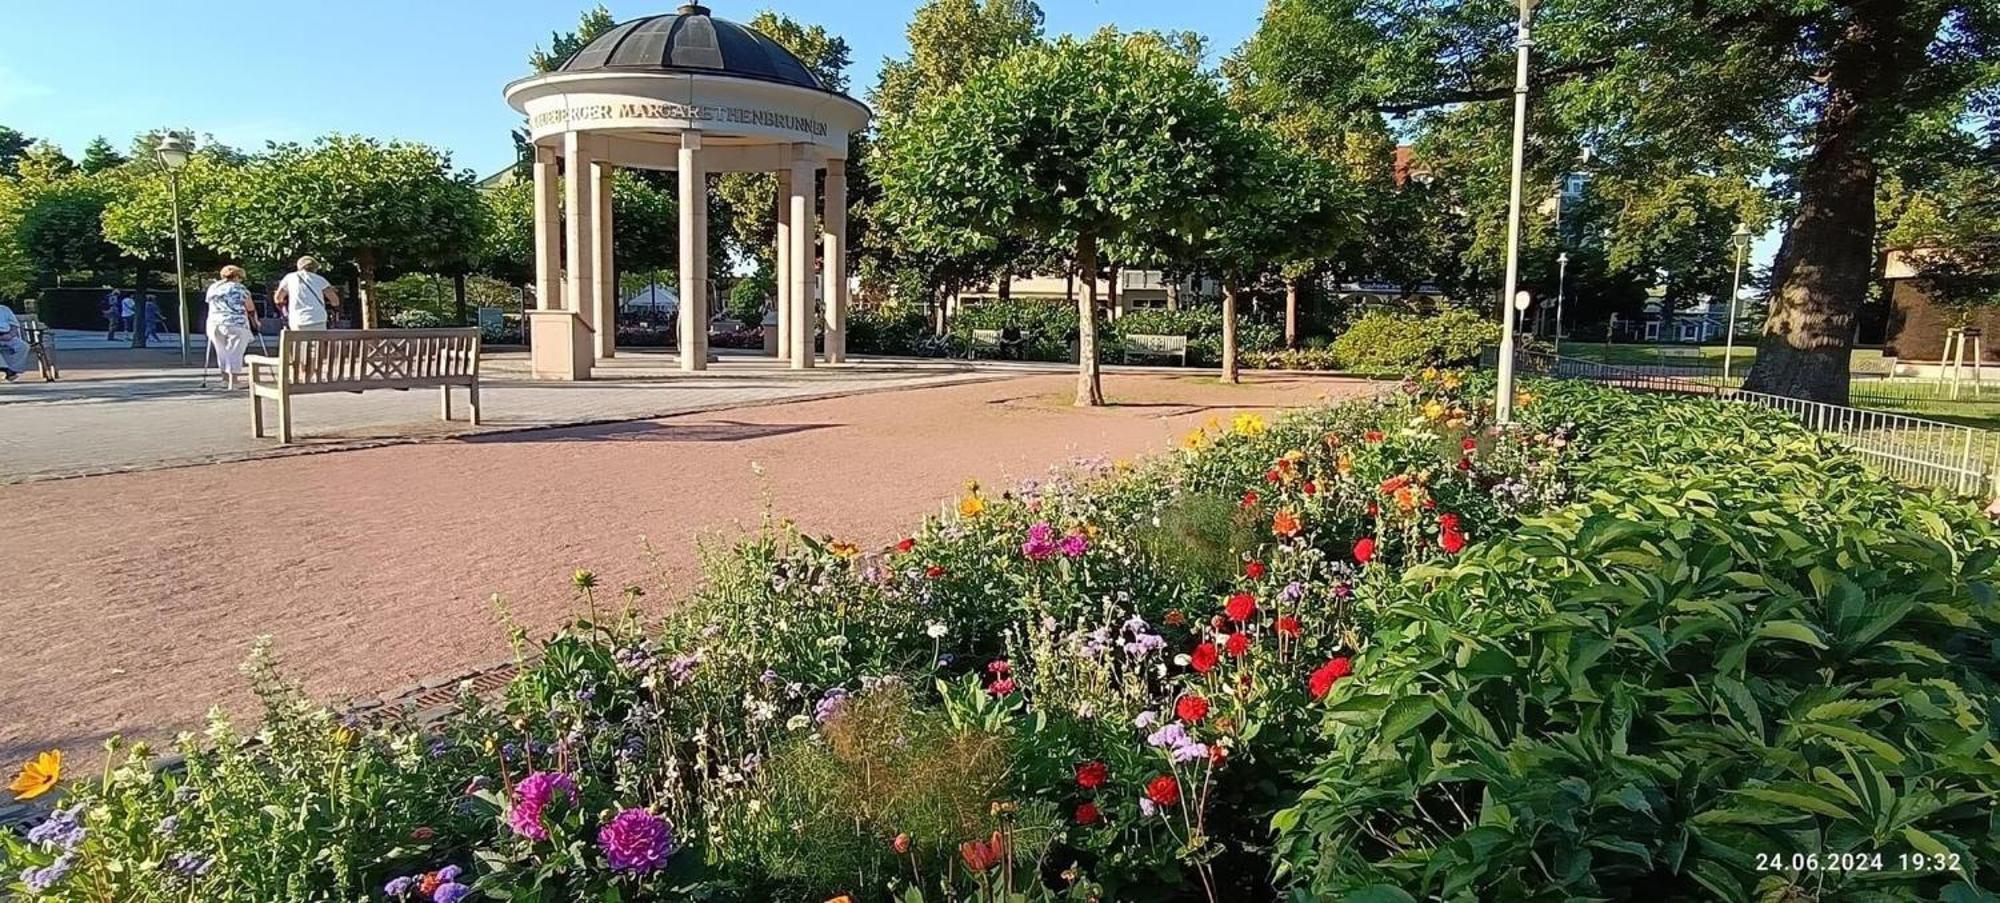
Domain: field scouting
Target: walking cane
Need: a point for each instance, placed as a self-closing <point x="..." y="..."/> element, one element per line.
<point x="208" y="346"/>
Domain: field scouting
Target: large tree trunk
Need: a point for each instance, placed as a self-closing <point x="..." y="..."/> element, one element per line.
<point x="1827" y="259"/>
<point x="1229" y="368"/>
<point x="458" y="299"/>
<point x="364" y="268"/>
<point x="1292" y="312"/>
<point x="1006" y="286"/>
<point x="1089" y="386"/>
<point x="1117" y="311"/>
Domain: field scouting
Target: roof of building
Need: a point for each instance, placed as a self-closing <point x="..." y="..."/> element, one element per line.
<point x="692" y="41"/>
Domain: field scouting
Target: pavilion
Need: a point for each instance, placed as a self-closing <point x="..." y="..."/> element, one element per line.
<point x="693" y="94"/>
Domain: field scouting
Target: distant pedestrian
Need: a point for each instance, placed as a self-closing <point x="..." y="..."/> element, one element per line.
<point x="126" y="310"/>
<point x="13" y="345"/>
<point x="153" y="319"/>
<point x="113" y="310"/>
<point x="232" y="319"/>
<point x="304" y="297"/>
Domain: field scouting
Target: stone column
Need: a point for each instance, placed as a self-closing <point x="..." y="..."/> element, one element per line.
<point x="579" y="232"/>
<point x="782" y="257"/>
<point x="548" y="230"/>
<point x="605" y="314"/>
<point x="802" y="221"/>
<point x="694" y="254"/>
<point x="834" y="250"/>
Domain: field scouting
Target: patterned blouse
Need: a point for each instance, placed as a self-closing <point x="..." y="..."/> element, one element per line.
<point x="227" y="304"/>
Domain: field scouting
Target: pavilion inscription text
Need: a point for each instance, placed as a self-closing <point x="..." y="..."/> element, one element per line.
<point x="681" y="112"/>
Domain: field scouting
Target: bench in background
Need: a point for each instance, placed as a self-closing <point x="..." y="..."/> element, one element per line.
<point x="1156" y="346"/>
<point x="311" y="362"/>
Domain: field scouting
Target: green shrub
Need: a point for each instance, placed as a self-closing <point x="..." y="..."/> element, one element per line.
<point x="1745" y="668"/>
<point x="1048" y="327"/>
<point x="1203" y="328"/>
<point x="1293" y="359"/>
<point x="895" y="329"/>
<point x="416" y="318"/>
<point x="1387" y="343"/>
<point x="751" y="294"/>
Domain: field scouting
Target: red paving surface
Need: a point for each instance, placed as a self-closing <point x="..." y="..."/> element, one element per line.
<point x="135" y="596"/>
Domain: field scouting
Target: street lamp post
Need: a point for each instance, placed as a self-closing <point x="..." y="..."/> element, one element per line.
<point x="173" y="154"/>
<point x="1503" y="402"/>
<point x="1562" y="275"/>
<point x="1741" y="238"/>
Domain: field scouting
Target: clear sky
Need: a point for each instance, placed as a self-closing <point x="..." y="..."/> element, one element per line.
<point x="251" y="71"/>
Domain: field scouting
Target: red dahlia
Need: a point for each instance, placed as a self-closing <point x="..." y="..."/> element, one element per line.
<point x="1203" y="658"/>
<point x="1163" y="790"/>
<point x="1191" y="709"/>
<point x="1240" y="607"/>
<point x="1309" y="488"/>
<point x="934" y="571"/>
<point x="1250" y="499"/>
<point x="1254" y="570"/>
<point x="1289" y="625"/>
<point x="1092" y="775"/>
<point x="906" y="545"/>
<point x="1087" y="814"/>
<point x="1324" y="677"/>
<point x="1364" y="550"/>
<point x="1238" y="645"/>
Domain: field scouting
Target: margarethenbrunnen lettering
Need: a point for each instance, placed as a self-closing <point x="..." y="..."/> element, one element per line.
<point x="766" y="118"/>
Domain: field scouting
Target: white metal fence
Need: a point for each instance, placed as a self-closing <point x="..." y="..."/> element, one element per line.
<point x="1908" y="449"/>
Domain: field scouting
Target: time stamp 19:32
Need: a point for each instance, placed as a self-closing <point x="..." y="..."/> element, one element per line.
<point x="1859" y="862"/>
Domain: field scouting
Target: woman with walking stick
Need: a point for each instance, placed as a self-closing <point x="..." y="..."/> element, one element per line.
<point x="232" y="319"/>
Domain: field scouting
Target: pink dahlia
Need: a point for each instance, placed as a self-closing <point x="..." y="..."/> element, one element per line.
<point x="636" y="841"/>
<point x="524" y="814"/>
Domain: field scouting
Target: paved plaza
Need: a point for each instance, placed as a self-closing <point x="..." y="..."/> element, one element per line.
<point x="135" y="594"/>
<point x="119" y="409"/>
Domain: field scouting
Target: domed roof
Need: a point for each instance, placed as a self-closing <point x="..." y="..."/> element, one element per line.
<point x="690" y="40"/>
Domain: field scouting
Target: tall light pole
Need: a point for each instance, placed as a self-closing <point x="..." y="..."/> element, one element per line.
<point x="1562" y="276"/>
<point x="1503" y="402"/>
<point x="1741" y="238"/>
<point x="173" y="153"/>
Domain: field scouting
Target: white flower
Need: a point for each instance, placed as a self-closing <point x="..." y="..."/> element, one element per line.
<point x="797" y="723"/>
<point x="935" y="631"/>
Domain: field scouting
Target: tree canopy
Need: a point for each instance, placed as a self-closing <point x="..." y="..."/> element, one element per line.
<point x="380" y="207"/>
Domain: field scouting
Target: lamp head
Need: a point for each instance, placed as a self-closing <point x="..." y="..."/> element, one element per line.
<point x="1522" y="299"/>
<point x="173" y="151"/>
<point x="1741" y="237"/>
<point x="1562" y="258"/>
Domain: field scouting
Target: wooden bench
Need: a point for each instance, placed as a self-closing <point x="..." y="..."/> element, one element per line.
<point x="996" y="342"/>
<point x="41" y="344"/>
<point x="1156" y="346"/>
<point x="1880" y="367"/>
<point x="311" y="362"/>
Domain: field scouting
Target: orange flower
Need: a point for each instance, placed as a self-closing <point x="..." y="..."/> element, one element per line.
<point x="1407" y="497"/>
<point x="38" y="775"/>
<point x="981" y="857"/>
<point x="843" y="898"/>
<point x="1285" y="523"/>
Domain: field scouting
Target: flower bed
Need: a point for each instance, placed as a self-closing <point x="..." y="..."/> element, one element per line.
<point x="1288" y="658"/>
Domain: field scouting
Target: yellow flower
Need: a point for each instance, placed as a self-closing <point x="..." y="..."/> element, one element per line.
<point x="1248" y="425"/>
<point x="1195" y="439"/>
<point x="38" y="775"/>
<point x="1295" y="455"/>
<point x="971" y="506"/>
<point x="1433" y="410"/>
<point x="844" y="549"/>
<point x="1430" y="374"/>
<point x="1453" y="380"/>
<point x="1523" y="399"/>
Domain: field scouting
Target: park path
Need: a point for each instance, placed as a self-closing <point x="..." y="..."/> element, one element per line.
<point x="135" y="595"/>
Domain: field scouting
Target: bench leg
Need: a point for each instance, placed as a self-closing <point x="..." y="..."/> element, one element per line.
<point x="474" y="398"/>
<point x="256" y="413"/>
<point x="284" y="418"/>
<point x="444" y="402"/>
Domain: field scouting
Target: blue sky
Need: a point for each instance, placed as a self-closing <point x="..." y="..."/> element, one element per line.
<point x="424" y="70"/>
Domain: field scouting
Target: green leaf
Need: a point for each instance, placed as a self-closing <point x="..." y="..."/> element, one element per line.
<point x="1796" y="631"/>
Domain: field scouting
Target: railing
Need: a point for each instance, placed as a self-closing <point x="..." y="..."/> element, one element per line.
<point x="1907" y="449"/>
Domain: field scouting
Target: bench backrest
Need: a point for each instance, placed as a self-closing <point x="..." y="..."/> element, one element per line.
<point x="1156" y="344"/>
<point x="378" y="357"/>
<point x="986" y="338"/>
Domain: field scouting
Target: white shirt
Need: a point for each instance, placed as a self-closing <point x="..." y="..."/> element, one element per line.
<point x="125" y="307"/>
<point x="305" y="304"/>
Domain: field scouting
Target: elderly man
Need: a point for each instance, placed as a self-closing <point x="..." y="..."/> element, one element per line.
<point x="13" y="345"/>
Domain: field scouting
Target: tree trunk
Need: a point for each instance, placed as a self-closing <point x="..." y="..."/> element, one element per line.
<point x="458" y="298"/>
<point x="1117" y="310"/>
<point x="1292" y="312"/>
<point x="364" y="266"/>
<point x="1229" y="368"/>
<point x="1069" y="283"/>
<point x="1006" y="286"/>
<point x="1089" y="387"/>
<point x="1174" y="293"/>
<point x="1827" y="259"/>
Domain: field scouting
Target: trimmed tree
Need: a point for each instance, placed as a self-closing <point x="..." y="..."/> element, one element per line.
<point x="380" y="208"/>
<point x="1081" y="142"/>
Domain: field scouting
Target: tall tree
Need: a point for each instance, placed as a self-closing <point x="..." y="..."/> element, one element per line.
<point x="17" y="271"/>
<point x="564" y="44"/>
<point x="13" y="146"/>
<point x="951" y="41"/>
<point x="1021" y="150"/>
<point x="99" y="156"/>
<point x="1824" y="97"/>
<point x="139" y="215"/>
<point x="379" y="208"/>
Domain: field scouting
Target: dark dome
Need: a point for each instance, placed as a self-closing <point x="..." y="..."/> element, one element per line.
<point x="689" y="40"/>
